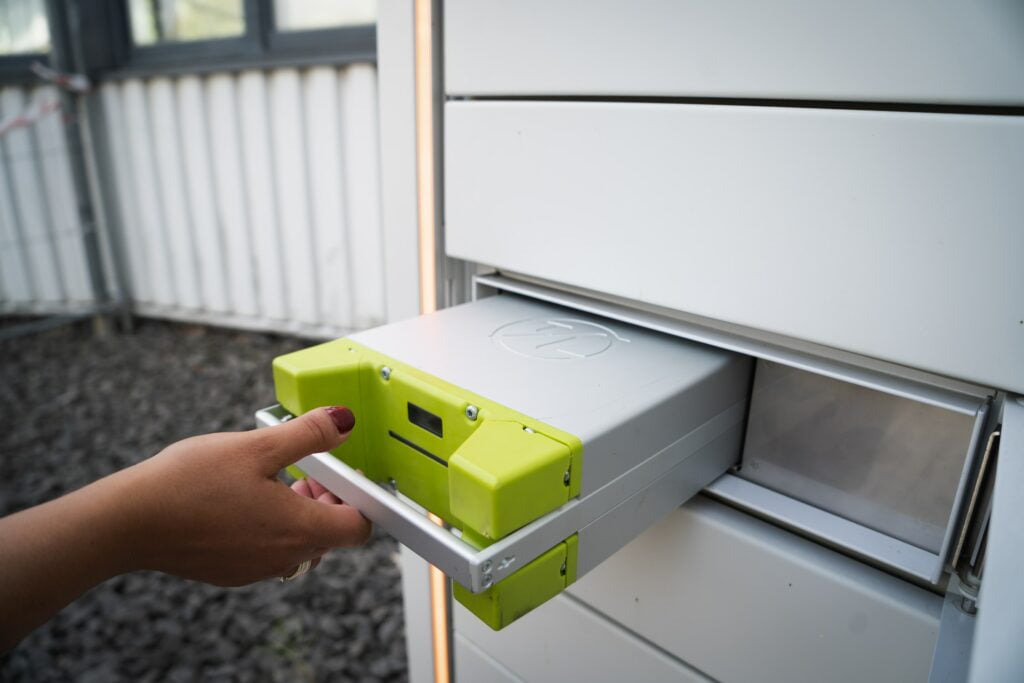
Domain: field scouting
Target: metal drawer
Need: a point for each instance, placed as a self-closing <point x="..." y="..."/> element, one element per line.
<point x="546" y="438"/>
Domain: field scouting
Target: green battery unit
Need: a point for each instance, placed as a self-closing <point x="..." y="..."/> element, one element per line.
<point x="494" y="414"/>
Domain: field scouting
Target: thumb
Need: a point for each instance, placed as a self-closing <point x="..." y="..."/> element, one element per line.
<point x="318" y="430"/>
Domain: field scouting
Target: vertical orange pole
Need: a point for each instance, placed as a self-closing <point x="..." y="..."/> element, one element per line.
<point x="440" y="618"/>
<point x="425" y="156"/>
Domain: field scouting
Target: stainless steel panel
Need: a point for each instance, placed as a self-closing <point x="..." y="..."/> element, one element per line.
<point x="566" y="640"/>
<point x="889" y="463"/>
<point x="998" y="655"/>
<point x="741" y="600"/>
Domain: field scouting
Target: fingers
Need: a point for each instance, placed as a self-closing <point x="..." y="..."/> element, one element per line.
<point x="318" y="430"/>
<point x="311" y="488"/>
<point x="339" y="525"/>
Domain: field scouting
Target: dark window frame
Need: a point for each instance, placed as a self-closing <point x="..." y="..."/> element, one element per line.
<point x="107" y="50"/>
<point x="260" y="46"/>
<point x="15" y="67"/>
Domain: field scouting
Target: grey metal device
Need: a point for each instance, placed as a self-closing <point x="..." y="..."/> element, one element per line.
<point x="658" y="419"/>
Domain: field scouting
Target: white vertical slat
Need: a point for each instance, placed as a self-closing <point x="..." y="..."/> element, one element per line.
<point x="15" y="282"/>
<point x="292" y="194"/>
<point x="147" y="188"/>
<point x="62" y="201"/>
<point x="324" y="164"/>
<point x="260" y="171"/>
<point x="233" y="213"/>
<point x="362" y="184"/>
<point x="167" y="143"/>
<point x="124" y="179"/>
<point x="200" y="190"/>
<point x="29" y="208"/>
<point x="396" y="88"/>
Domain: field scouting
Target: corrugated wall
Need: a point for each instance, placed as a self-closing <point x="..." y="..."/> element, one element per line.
<point x="250" y="198"/>
<point x="43" y="268"/>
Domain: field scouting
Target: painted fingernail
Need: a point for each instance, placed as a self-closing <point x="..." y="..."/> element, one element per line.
<point x="343" y="418"/>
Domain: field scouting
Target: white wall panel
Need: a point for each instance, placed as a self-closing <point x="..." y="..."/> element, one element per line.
<point x="170" y="190"/>
<point x="43" y="267"/>
<point x="231" y="208"/>
<point x="253" y="199"/>
<point x="202" y="212"/>
<point x="260" y="169"/>
<point x="123" y="177"/>
<point x="146" y="186"/>
<point x="361" y="167"/>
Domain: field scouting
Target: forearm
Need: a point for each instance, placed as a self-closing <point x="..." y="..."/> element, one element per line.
<point x="52" y="553"/>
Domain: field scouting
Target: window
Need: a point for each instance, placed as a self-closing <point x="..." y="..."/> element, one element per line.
<point x="155" y="21"/>
<point x="298" y="15"/>
<point x="198" y="35"/>
<point x="23" y="27"/>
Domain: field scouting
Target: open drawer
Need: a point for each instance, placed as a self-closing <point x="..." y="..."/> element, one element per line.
<point x="546" y="439"/>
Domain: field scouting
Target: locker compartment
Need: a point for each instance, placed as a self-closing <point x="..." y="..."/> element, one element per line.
<point x="864" y="231"/>
<point x="922" y="51"/>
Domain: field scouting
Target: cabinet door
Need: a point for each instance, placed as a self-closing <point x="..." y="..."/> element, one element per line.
<point x="923" y="51"/>
<point x="890" y="234"/>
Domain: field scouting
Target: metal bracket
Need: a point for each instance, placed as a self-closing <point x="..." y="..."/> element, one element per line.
<point x="479" y="569"/>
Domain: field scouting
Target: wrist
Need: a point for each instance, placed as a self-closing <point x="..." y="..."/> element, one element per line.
<point x="110" y="514"/>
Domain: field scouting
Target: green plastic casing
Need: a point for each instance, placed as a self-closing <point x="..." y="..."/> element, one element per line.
<point x="486" y="476"/>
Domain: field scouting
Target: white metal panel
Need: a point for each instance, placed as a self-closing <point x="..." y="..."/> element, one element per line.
<point x="395" y="63"/>
<point x="323" y="149"/>
<point x="944" y="51"/>
<point x="252" y="198"/>
<point x="146" y="184"/>
<point x="362" y="183"/>
<point x="232" y="209"/>
<point x="61" y="200"/>
<point x="15" y="282"/>
<point x="741" y="600"/>
<point x="170" y="186"/>
<point x="866" y="231"/>
<point x="997" y="654"/>
<point x="259" y="168"/>
<point x="201" y="192"/>
<point x="128" y="209"/>
<point x="32" y="218"/>
<point x="565" y="640"/>
<point x="298" y="243"/>
<point x="473" y="664"/>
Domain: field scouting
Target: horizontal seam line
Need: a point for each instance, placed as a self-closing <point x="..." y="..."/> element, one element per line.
<point x="416" y="448"/>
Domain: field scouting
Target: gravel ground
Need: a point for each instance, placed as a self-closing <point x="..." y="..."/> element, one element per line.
<point x="77" y="407"/>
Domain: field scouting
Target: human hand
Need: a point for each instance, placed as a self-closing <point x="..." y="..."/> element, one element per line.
<point x="211" y="507"/>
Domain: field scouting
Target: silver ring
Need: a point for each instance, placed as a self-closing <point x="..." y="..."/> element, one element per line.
<point x="299" y="571"/>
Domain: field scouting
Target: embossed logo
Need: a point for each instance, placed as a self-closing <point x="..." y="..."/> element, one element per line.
<point x="556" y="338"/>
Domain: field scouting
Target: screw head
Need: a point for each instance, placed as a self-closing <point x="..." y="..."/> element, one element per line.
<point x="472" y="412"/>
<point x="567" y="478"/>
<point x="487" y="581"/>
<point x="385" y="373"/>
<point x="486" y="567"/>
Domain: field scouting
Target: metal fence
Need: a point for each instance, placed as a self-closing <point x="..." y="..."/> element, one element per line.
<point x="43" y="266"/>
<point x="247" y="198"/>
<point x="251" y="198"/>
